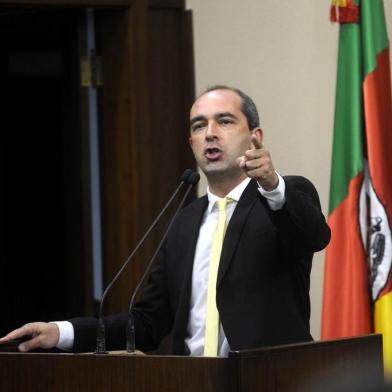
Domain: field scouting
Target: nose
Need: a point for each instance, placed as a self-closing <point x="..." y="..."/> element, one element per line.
<point x="211" y="131"/>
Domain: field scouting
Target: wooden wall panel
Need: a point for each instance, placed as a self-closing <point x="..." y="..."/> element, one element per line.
<point x="148" y="90"/>
<point x="172" y="94"/>
<point x="166" y="4"/>
<point x="125" y="140"/>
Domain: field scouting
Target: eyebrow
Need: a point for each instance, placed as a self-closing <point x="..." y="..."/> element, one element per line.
<point x="225" y="114"/>
<point x="216" y="116"/>
<point x="197" y="118"/>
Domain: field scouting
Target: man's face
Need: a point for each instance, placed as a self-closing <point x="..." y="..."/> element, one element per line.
<point x="219" y="133"/>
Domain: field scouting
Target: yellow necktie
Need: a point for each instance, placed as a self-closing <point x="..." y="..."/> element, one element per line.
<point x="211" y="335"/>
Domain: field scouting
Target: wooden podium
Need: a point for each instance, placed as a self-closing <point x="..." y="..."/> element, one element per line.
<point x="347" y="364"/>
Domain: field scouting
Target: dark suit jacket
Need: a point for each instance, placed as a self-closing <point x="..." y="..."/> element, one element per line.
<point x="263" y="278"/>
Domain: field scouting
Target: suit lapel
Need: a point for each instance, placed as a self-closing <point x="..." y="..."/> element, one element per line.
<point x="235" y="227"/>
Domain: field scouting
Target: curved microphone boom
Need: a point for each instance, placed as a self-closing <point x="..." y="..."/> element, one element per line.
<point x="130" y="333"/>
<point x="101" y="341"/>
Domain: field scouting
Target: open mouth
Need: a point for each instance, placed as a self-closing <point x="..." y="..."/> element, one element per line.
<point x="212" y="153"/>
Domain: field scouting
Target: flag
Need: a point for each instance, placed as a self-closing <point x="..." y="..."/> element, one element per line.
<point x="357" y="277"/>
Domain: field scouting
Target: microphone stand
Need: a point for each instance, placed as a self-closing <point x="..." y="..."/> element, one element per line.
<point x="101" y="340"/>
<point x="130" y="333"/>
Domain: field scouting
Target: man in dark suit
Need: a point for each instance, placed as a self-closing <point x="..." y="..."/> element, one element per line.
<point x="274" y="225"/>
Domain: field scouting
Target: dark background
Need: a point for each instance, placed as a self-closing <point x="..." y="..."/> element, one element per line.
<point x="148" y="87"/>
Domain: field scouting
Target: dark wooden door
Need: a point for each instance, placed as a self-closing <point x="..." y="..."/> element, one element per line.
<point x="148" y="87"/>
<point x="42" y="274"/>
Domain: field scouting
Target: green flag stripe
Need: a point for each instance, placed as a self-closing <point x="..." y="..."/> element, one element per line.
<point x="374" y="32"/>
<point x="354" y="63"/>
<point x="347" y="141"/>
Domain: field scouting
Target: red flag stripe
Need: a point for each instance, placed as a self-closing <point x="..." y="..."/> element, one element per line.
<point x="346" y="308"/>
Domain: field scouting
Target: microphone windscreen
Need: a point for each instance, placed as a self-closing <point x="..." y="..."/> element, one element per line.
<point x="185" y="176"/>
<point x="194" y="178"/>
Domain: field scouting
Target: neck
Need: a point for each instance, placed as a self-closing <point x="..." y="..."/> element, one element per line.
<point x="221" y="187"/>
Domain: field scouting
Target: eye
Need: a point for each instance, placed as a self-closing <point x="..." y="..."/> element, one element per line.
<point x="197" y="126"/>
<point x="226" y="121"/>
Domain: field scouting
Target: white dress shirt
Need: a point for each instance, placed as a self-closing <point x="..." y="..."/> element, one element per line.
<point x="196" y="322"/>
<point x="198" y="303"/>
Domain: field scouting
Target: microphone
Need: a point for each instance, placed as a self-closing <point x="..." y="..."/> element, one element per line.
<point x="101" y="341"/>
<point x="130" y="333"/>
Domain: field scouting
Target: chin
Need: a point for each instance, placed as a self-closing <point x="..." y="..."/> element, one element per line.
<point x="215" y="167"/>
<point x="222" y="170"/>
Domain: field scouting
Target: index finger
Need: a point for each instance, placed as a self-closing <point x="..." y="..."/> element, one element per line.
<point x="256" y="144"/>
<point x="18" y="333"/>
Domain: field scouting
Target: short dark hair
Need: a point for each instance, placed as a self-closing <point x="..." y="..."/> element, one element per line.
<point x="248" y="107"/>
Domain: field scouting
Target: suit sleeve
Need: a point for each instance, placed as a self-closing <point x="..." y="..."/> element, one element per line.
<point x="300" y="221"/>
<point x="85" y="329"/>
<point x="152" y="316"/>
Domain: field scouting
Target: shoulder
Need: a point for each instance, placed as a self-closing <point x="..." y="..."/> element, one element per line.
<point x="186" y="223"/>
<point x="299" y="184"/>
<point x="297" y="180"/>
<point x="193" y="209"/>
<point x="195" y="205"/>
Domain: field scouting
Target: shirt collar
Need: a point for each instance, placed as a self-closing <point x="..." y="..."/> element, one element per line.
<point x="234" y="194"/>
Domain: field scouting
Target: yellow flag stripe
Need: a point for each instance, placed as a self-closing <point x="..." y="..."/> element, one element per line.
<point x="339" y="3"/>
<point x="383" y="324"/>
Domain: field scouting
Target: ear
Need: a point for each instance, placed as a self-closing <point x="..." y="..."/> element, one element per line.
<point x="190" y="142"/>
<point x="258" y="132"/>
